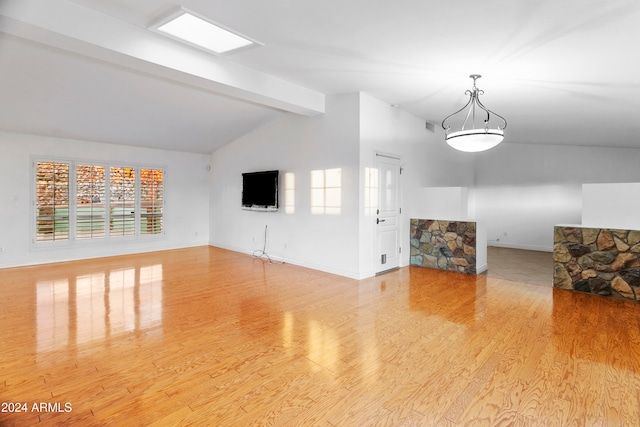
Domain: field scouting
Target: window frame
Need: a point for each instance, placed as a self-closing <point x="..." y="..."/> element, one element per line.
<point x="35" y="213"/>
<point x="148" y="208"/>
<point x="108" y="238"/>
<point x="113" y="219"/>
<point x="77" y="206"/>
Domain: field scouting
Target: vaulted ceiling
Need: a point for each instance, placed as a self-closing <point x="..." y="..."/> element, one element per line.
<point x="560" y="72"/>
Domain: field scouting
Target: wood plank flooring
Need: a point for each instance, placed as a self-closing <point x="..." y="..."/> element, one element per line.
<point x="520" y="265"/>
<point x="209" y="337"/>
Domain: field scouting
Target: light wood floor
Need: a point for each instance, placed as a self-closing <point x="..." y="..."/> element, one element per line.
<point x="519" y="265"/>
<point x="209" y="337"/>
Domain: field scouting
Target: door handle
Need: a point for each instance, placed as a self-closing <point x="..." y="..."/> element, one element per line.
<point x="378" y="220"/>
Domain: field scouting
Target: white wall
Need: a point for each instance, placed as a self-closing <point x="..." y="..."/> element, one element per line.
<point x="346" y="137"/>
<point x="204" y="207"/>
<point x="450" y="203"/>
<point x="297" y="145"/>
<point x="426" y="161"/>
<point x="611" y="206"/>
<point x="186" y="197"/>
<point x="523" y="190"/>
<point x="520" y="191"/>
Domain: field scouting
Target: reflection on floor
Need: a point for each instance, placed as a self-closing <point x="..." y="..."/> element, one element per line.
<point x="534" y="267"/>
<point x="205" y="336"/>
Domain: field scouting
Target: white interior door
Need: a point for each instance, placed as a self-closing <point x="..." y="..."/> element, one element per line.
<point x="388" y="213"/>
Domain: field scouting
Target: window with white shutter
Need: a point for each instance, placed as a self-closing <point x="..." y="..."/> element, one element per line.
<point x="52" y="201"/>
<point x="86" y="201"/>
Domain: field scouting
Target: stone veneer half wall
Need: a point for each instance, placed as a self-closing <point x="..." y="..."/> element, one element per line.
<point x="444" y="245"/>
<point x="601" y="261"/>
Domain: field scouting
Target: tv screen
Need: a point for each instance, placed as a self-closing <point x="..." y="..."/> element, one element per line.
<point x="260" y="191"/>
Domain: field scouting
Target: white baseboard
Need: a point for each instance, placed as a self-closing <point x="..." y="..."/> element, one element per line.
<point x="519" y="246"/>
<point x="280" y="258"/>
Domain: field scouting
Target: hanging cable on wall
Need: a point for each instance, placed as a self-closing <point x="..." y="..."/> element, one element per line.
<point x="262" y="253"/>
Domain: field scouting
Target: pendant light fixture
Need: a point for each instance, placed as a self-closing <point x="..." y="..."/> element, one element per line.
<point x="472" y="139"/>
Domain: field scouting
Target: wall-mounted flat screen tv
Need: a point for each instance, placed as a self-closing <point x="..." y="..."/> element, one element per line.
<point x="260" y="191"/>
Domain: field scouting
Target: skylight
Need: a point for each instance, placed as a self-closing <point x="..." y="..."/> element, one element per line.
<point x="187" y="27"/>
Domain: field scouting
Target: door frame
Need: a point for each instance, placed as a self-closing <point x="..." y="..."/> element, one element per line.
<point x="376" y="253"/>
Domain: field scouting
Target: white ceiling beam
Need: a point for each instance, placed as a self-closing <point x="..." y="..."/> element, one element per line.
<point x="71" y="27"/>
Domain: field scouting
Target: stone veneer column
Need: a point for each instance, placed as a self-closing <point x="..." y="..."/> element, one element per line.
<point x="444" y="245"/>
<point x="597" y="260"/>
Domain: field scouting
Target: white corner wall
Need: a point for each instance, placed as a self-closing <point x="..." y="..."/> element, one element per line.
<point x="345" y="137"/>
<point x="294" y="145"/>
<point x="523" y="190"/>
<point x="426" y="161"/>
<point x="186" y="198"/>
